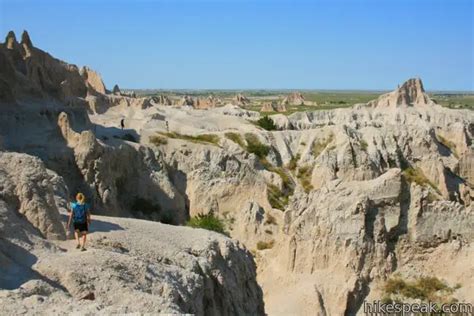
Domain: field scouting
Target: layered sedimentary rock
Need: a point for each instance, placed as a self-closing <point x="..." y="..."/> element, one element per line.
<point x="332" y="204"/>
<point x="162" y="99"/>
<point x="93" y="80"/>
<point x="273" y="106"/>
<point x="241" y="99"/>
<point x="295" y="98"/>
<point x="131" y="266"/>
<point x="410" y="93"/>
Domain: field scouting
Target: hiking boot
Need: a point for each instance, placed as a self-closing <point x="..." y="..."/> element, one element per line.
<point x="83" y="249"/>
<point x="78" y="246"/>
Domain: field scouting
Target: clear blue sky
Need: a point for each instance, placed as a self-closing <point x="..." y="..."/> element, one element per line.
<point x="351" y="44"/>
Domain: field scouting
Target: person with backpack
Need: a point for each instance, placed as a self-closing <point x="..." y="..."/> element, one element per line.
<point x="81" y="217"/>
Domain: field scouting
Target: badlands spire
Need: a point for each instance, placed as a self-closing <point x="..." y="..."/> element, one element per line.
<point x="10" y="40"/>
<point x="411" y="93"/>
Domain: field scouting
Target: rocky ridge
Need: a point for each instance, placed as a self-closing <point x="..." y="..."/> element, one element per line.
<point x="342" y="200"/>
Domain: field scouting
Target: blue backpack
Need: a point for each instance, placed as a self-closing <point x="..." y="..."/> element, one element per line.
<point x="79" y="212"/>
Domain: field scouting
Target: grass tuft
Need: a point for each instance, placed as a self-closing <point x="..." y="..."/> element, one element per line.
<point x="262" y="245"/>
<point x="207" y="221"/>
<point x="448" y="144"/>
<point x="236" y="138"/>
<point x="267" y="123"/>
<point x="202" y="138"/>
<point x="416" y="175"/>
<point x="158" y="140"/>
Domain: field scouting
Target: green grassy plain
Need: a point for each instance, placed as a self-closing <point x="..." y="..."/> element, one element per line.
<point x="325" y="99"/>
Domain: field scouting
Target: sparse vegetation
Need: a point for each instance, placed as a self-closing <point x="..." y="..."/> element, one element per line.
<point x="425" y="289"/>
<point x="262" y="245"/>
<point x="254" y="146"/>
<point x="236" y="138"/>
<point x="455" y="101"/>
<point x="207" y="221"/>
<point x="448" y="144"/>
<point x="203" y="138"/>
<point x="304" y="176"/>
<point x="319" y="146"/>
<point x="416" y="175"/>
<point x="294" y="162"/>
<point x="158" y="140"/>
<point x="266" y="123"/>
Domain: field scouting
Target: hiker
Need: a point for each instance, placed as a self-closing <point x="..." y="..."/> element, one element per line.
<point x="167" y="127"/>
<point x="81" y="217"/>
<point x="122" y="123"/>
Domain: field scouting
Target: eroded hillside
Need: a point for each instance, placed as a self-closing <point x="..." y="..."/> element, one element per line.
<point x="332" y="203"/>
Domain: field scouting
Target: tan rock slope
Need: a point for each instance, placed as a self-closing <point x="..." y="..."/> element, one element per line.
<point x="131" y="266"/>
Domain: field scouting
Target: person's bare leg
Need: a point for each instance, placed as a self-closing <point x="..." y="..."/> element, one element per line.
<point x="76" y="234"/>
<point x="84" y="237"/>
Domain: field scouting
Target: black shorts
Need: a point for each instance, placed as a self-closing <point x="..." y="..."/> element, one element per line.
<point x="82" y="227"/>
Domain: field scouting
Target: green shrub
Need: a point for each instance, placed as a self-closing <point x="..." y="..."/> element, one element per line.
<point x="207" y="221"/>
<point x="267" y="123"/>
<point x="254" y="146"/>
<point x="261" y="245"/>
<point x="158" y="140"/>
<point x="236" y="138"/>
<point x="424" y="288"/>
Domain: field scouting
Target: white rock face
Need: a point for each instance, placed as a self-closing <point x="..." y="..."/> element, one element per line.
<point x="131" y="265"/>
<point x="26" y="186"/>
<point x="332" y="204"/>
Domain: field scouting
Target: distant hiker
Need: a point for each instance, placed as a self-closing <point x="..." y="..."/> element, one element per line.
<point x="81" y="217"/>
<point x="167" y="127"/>
<point x="122" y="123"/>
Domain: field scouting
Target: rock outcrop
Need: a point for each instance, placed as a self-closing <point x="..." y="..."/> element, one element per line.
<point x="116" y="90"/>
<point x="93" y="81"/>
<point x="186" y="101"/>
<point x="131" y="266"/>
<point x="241" y="100"/>
<point x="273" y="106"/>
<point x="162" y="100"/>
<point x="409" y="94"/>
<point x="331" y="204"/>
<point x="295" y="98"/>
